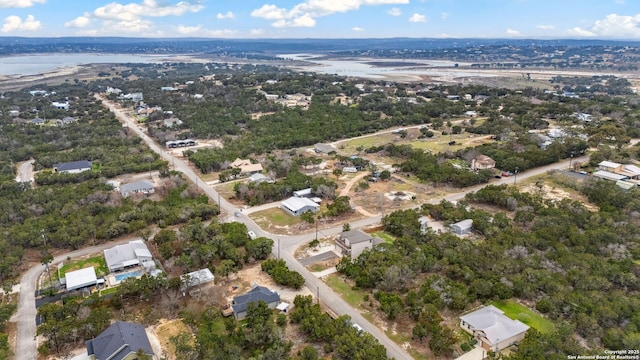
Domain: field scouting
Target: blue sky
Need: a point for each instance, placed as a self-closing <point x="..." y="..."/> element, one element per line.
<point x="603" y="19"/>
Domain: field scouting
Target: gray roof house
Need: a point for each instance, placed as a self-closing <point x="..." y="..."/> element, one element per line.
<point x="120" y="341"/>
<point x="123" y="256"/>
<point x="72" y="167"/>
<point x="297" y="206"/>
<point x="81" y="278"/>
<point x="138" y="187"/>
<point x="353" y="242"/>
<point x="492" y="328"/>
<point x="196" y="278"/>
<point x="258" y="293"/>
<point x="462" y="227"/>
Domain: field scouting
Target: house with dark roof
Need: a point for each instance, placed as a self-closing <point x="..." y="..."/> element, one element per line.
<point x="492" y="328"/>
<point x="120" y="341"/>
<point x="257" y="294"/>
<point x="72" y="167"/>
<point x="353" y="242"/>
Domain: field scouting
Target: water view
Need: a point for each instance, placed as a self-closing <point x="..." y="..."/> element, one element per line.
<point x="36" y="64"/>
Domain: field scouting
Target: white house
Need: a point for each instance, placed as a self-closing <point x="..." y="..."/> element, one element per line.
<point x="60" y="105"/>
<point x="302" y="193"/>
<point x="492" y="328"/>
<point x="123" y="256"/>
<point x="196" y="278"/>
<point x="462" y="227"/>
<point x="481" y="162"/>
<point x="81" y="278"/>
<point x="296" y="206"/>
<point x="353" y="242"/>
<point x="138" y="187"/>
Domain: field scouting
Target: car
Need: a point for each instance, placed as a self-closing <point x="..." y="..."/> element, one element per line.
<point x="498" y="177"/>
<point x="252" y="235"/>
<point x="237" y="214"/>
<point x="504" y="174"/>
<point x="452" y="142"/>
<point x="358" y="327"/>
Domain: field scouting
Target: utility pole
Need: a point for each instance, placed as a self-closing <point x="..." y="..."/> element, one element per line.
<point x="318" y="294"/>
<point x="515" y="176"/>
<point x="317" y="229"/>
<point x="278" y="247"/>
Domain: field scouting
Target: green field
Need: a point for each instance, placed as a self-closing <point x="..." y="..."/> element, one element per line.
<point x="388" y="238"/>
<point x="274" y="217"/>
<point x="355" y="298"/>
<point x="98" y="262"/>
<point x="520" y="312"/>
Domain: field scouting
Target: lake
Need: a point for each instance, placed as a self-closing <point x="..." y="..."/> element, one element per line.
<point x="37" y="64"/>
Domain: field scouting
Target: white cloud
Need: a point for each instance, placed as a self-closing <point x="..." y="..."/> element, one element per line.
<point x="79" y="22"/>
<point x="20" y="3"/>
<point x="199" y="30"/>
<point x="621" y="2"/>
<point x="578" y="31"/>
<point x="512" y="32"/>
<point x="305" y="13"/>
<point x="15" y="23"/>
<point x="417" y="18"/>
<point x="612" y="26"/>
<point x="546" y="27"/>
<point x="256" y="32"/>
<point x="228" y="15"/>
<point x="148" y="8"/>
<point x="357" y="29"/>
<point x="394" y="11"/>
<point x="445" y="15"/>
<point x="138" y="26"/>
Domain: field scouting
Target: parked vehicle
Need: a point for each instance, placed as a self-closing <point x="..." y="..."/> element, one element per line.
<point x="252" y="235"/>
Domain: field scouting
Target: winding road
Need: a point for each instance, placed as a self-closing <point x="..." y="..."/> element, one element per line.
<point x="285" y="248"/>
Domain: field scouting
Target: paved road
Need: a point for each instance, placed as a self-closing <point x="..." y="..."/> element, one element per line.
<point x="26" y="314"/>
<point x="286" y="246"/>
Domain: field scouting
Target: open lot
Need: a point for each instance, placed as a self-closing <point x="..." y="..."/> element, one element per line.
<point x="520" y="312"/>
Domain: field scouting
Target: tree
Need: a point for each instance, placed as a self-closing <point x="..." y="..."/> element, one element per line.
<point x="385" y="175"/>
<point x="259" y="248"/>
<point x="346" y="227"/>
<point x="337" y="172"/>
<point x="308" y="217"/>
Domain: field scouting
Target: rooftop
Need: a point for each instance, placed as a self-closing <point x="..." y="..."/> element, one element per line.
<point x="258" y="293"/>
<point x="495" y="325"/>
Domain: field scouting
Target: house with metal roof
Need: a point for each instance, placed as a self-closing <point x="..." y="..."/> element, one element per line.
<point x="492" y="328"/>
<point x="81" y="278"/>
<point x="354" y="242"/>
<point x="138" y="187"/>
<point x="302" y="193"/>
<point x="257" y="294"/>
<point x="196" y="278"/>
<point x="297" y="206"/>
<point x="120" y="341"/>
<point x="128" y="255"/>
<point x="72" y="167"/>
<point x="462" y="227"/>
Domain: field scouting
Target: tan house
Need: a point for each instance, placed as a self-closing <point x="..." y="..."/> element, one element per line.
<point x="353" y="242"/>
<point x="482" y="162"/>
<point x="246" y="167"/>
<point x="492" y="328"/>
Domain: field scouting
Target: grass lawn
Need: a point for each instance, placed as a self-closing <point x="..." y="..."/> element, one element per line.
<point x="349" y="147"/>
<point x="520" y="312"/>
<point x="108" y="291"/>
<point x="98" y="262"/>
<point x="388" y="238"/>
<point x="355" y="298"/>
<point x="275" y="217"/>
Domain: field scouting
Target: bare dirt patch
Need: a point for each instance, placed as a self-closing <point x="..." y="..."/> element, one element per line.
<point x="165" y="331"/>
<point x="556" y="194"/>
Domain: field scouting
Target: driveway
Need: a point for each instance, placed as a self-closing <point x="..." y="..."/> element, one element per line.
<point x="327" y="255"/>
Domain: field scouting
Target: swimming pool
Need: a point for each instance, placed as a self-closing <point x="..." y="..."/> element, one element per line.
<point x="121" y="277"/>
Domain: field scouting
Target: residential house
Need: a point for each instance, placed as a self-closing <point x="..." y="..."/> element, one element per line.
<point x="482" y="162"/>
<point x="14" y="113"/>
<point x="349" y="169"/>
<point x="60" y="105"/>
<point x="353" y="242"/>
<point x="302" y="193"/>
<point x="424" y="224"/>
<point x="297" y="206"/>
<point x="172" y="144"/>
<point x="471" y="113"/>
<point x="607" y="175"/>
<point x="171" y="122"/>
<point x="120" y="341"/>
<point x="257" y="294"/>
<point x="82" y="278"/>
<point x="138" y="187"/>
<point x="38" y="121"/>
<point x="196" y="278"/>
<point x="324" y="148"/>
<point x="136" y="96"/>
<point x="492" y="328"/>
<point x="258" y="178"/>
<point x="73" y="167"/>
<point x="246" y="167"/>
<point x="613" y="171"/>
<point x="111" y="90"/>
<point x="462" y="227"/>
<point x="38" y="92"/>
<point x="128" y="255"/>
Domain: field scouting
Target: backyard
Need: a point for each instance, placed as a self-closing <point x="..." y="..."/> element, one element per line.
<point x="97" y="261"/>
<point x="520" y="312"/>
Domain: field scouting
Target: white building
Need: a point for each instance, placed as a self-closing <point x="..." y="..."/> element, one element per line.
<point x="81" y="278"/>
<point x="492" y="328"/>
<point x="128" y="255"/>
<point x="296" y="206"/>
<point x="462" y="227"/>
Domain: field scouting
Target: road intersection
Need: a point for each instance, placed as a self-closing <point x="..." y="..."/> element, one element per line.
<point x="285" y="248"/>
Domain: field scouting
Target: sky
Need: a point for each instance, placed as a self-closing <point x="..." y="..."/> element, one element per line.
<point x="537" y="19"/>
